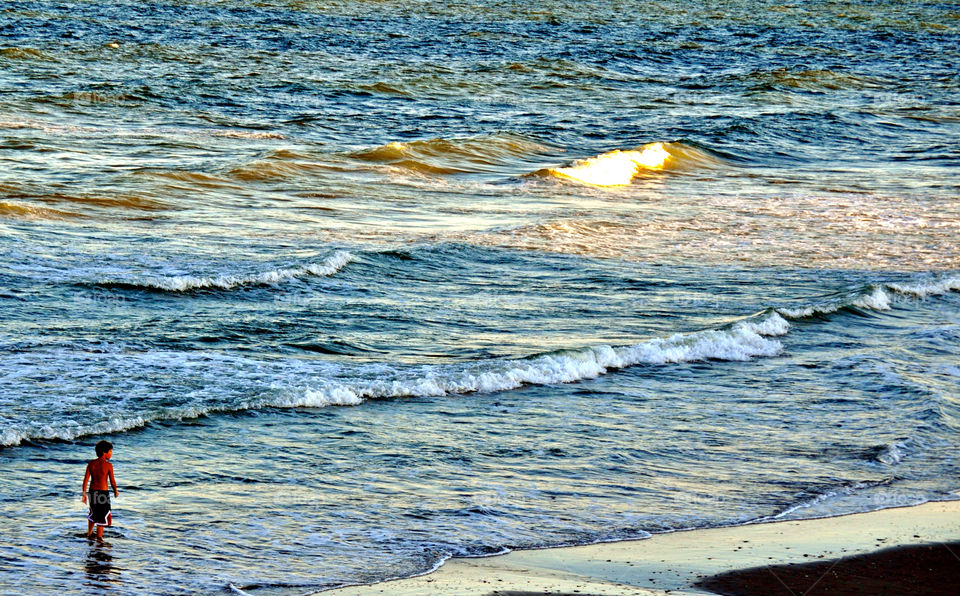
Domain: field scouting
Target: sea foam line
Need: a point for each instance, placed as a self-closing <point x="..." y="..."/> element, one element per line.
<point x="307" y="385"/>
<point x="740" y="342"/>
<point x="183" y="283"/>
<point x="876" y="297"/>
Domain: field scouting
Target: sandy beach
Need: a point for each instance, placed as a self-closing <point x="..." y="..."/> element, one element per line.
<point x="676" y="562"/>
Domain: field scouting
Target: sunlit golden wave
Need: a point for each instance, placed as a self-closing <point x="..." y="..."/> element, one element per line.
<point x="453" y="156"/>
<point x="24" y="211"/>
<point x="619" y="167"/>
<point x="615" y="168"/>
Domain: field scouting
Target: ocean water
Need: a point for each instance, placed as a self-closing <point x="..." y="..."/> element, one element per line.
<point x="354" y="287"/>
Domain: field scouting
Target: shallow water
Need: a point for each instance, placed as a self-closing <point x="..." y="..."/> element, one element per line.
<point x="357" y="287"/>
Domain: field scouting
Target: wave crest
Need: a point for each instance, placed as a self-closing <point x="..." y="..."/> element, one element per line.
<point x="23" y="54"/>
<point x="740" y="342"/>
<point x="453" y="156"/>
<point x="312" y="384"/>
<point x="875" y="297"/>
<point x="279" y="164"/>
<point x="619" y="168"/>
<point x="20" y="210"/>
<point x="184" y="283"/>
<point x="296" y="384"/>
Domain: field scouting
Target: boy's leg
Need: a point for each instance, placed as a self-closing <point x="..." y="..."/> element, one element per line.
<point x="100" y="532"/>
<point x="89" y="527"/>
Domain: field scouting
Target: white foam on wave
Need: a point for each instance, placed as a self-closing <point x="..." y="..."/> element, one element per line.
<point x="743" y="341"/>
<point x="772" y="325"/>
<point x="243" y="134"/>
<point x="224" y="382"/>
<point x="877" y="297"/>
<point x="70" y="430"/>
<point x="929" y="288"/>
<point x="9" y="436"/>
<point x="182" y="283"/>
<point x="797" y="510"/>
<point x="892" y="454"/>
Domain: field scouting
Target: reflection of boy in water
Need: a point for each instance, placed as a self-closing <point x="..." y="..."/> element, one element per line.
<point x="98" y="470"/>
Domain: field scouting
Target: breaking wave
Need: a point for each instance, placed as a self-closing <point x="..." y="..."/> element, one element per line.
<point x="184" y="283"/>
<point x="619" y="168"/>
<point x="298" y="384"/>
<point x="740" y="342"/>
<point x="295" y="383"/>
<point x="875" y="297"/>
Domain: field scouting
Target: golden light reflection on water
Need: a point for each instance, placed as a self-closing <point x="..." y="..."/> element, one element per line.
<point x="664" y="202"/>
<point x="863" y="232"/>
<point x="847" y="232"/>
<point x="615" y="168"/>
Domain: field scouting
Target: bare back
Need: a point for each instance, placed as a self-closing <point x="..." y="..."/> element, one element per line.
<point x="100" y="470"/>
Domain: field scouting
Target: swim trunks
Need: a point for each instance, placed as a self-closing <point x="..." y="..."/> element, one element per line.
<point x="99" y="501"/>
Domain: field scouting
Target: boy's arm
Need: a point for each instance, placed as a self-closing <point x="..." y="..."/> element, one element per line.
<point x="83" y="491"/>
<point x="112" y="481"/>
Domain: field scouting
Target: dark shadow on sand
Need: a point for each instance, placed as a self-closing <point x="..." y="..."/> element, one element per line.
<point x="921" y="570"/>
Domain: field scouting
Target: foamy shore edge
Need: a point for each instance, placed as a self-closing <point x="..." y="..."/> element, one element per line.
<point x="673" y="562"/>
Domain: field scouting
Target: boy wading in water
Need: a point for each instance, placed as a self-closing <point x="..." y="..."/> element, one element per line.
<point x="98" y="470"/>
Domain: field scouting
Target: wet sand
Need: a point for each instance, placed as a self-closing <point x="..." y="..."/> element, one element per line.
<point x="734" y="560"/>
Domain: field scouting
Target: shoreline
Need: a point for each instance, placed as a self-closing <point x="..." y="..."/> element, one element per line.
<point x="673" y="562"/>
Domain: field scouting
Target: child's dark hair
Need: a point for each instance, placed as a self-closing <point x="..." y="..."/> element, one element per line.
<point x="103" y="447"/>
